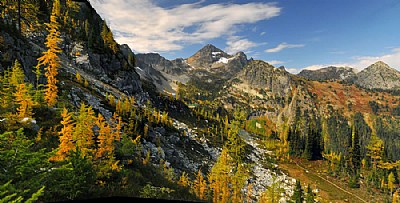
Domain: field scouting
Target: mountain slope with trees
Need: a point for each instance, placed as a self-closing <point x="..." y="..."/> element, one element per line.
<point x="82" y="117"/>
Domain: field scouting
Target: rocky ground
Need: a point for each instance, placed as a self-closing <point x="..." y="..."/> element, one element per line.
<point x="264" y="177"/>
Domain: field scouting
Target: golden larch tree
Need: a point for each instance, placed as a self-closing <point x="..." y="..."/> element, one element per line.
<point x="78" y="77"/>
<point x="391" y="181"/>
<point x="395" y="197"/>
<point x="117" y="123"/>
<point x="220" y="177"/>
<point x="50" y="59"/>
<point x="200" y="186"/>
<point x="66" y="141"/>
<point x="9" y="84"/>
<point x="83" y="135"/>
<point x="238" y="182"/>
<point x="375" y="150"/>
<point x="105" y="156"/>
<point x="17" y="75"/>
<point x="24" y="101"/>
<point x="105" y="146"/>
<point x="184" y="180"/>
<point x="108" y="38"/>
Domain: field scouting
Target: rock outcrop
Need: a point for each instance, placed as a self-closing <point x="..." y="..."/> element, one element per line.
<point x="328" y="73"/>
<point x="259" y="74"/>
<point x="205" y="57"/>
<point x="155" y="61"/>
<point x="378" y="76"/>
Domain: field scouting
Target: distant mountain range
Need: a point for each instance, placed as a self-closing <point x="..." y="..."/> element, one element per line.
<point x="376" y="76"/>
<point x="328" y="73"/>
<point x="212" y="60"/>
<point x="147" y="121"/>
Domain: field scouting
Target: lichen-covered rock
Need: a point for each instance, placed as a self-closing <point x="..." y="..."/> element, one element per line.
<point x="259" y="74"/>
<point x="206" y="56"/>
<point x="378" y="76"/>
<point x="328" y="73"/>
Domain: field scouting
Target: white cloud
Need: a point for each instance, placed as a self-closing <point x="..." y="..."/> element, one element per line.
<point x="319" y="66"/>
<point x="392" y="59"/>
<point x="262" y="33"/>
<point x="283" y="46"/>
<point x="236" y="44"/>
<point x="147" y="27"/>
<point x="275" y="62"/>
<point x="315" y="67"/>
<point x="361" y="62"/>
<point x="292" y="70"/>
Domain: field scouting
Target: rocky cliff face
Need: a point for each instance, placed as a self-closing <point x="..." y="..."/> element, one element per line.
<point x="155" y="61"/>
<point x="217" y="61"/>
<point x="208" y="64"/>
<point x="378" y="76"/>
<point x="12" y="48"/>
<point x="205" y="57"/>
<point x="328" y="73"/>
<point x="115" y="69"/>
<point x="259" y="74"/>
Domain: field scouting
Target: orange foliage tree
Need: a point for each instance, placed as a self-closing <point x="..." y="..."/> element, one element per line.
<point x="24" y="100"/>
<point x="200" y="186"/>
<point x="50" y="59"/>
<point x="83" y="134"/>
<point x="66" y="141"/>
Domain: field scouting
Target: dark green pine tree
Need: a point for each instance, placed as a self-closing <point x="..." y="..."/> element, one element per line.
<point x="310" y="195"/>
<point x="298" y="193"/>
<point x="308" y="149"/>
<point x="21" y="163"/>
<point x="355" y="159"/>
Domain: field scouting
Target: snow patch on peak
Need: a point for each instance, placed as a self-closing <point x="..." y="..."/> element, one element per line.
<point x="138" y="68"/>
<point x="215" y="53"/>
<point x="223" y="60"/>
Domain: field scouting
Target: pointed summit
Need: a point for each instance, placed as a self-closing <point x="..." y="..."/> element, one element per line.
<point x="206" y="56"/>
<point x="379" y="76"/>
<point x="380" y="65"/>
<point x="210" y="47"/>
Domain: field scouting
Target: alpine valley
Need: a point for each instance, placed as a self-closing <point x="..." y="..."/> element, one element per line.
<point x="83" y="117"/>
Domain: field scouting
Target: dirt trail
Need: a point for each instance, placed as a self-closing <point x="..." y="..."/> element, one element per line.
<point x="330" y="182"/>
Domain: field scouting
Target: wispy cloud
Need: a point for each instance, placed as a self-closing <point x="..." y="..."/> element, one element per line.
<point x="275" y="62"/>
<point x="283" y="46"/>
<point x="148" y="27"/>
<point x="337" y="52"/>
<point x="362" y="62"/>
<point x="262" y="33"/>
<point x="292" y="70"/>
<point x="392" y="59"/>
<point x="319" y="66"/>
<point x="236" y="44"/>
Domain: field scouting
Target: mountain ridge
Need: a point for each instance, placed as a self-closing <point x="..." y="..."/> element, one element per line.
<point x="167" y="129"/>
<point x="378" y="75"/>
<point x="328" y="73"/>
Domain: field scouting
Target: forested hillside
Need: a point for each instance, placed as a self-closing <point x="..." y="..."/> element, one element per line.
<point x="82" y="117"/>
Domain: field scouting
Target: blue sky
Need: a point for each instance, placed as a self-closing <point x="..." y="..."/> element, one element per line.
<point x="295" y="33"/>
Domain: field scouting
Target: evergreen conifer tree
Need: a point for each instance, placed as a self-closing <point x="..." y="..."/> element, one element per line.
<point x="50" y="59"/>
<point x="298" y="193"/>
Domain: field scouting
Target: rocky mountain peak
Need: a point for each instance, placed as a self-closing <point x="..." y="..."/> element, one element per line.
<point x="263" y="75"/>
<point x="210" y="47"/>
<point x="158" y="62"/>
<point x="328" y="73"/>
<point x="380" y="65"/>
<point x="379" y="76"/>
<point x="206" y="56"/>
